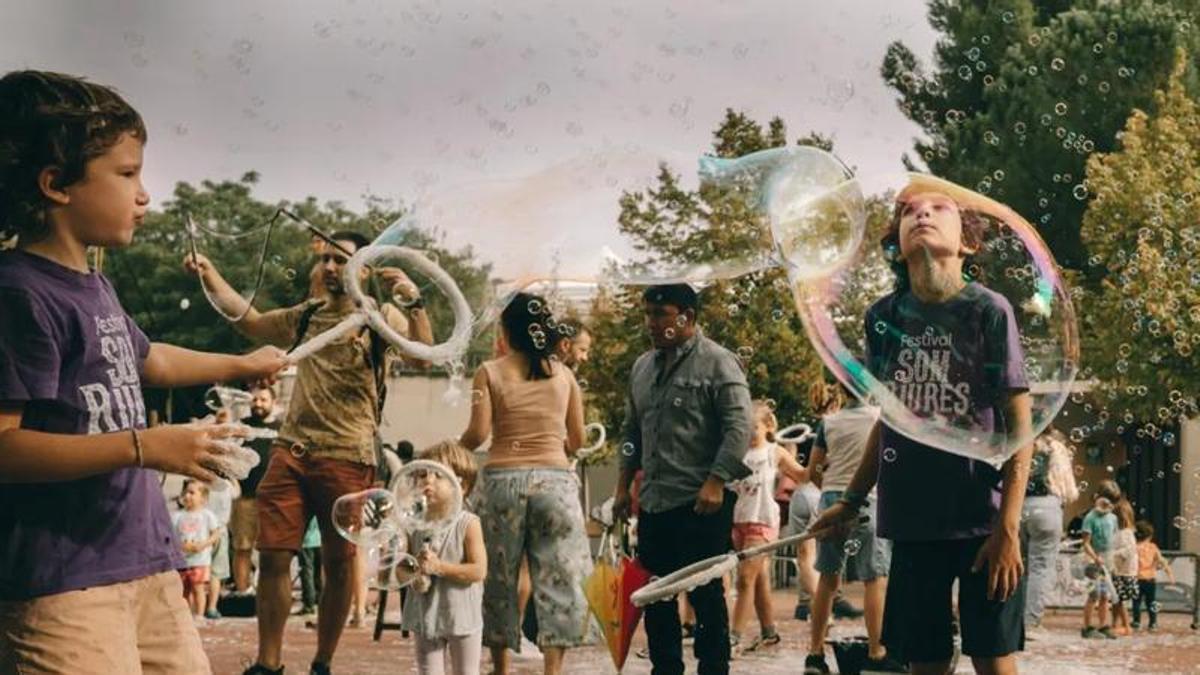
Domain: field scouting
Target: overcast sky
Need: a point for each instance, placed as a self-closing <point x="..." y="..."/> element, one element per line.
<point x="464" y="100"/>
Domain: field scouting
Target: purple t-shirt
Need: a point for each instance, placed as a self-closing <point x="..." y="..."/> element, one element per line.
<point x="70" y="353"/>
<point x="960" y="359"/>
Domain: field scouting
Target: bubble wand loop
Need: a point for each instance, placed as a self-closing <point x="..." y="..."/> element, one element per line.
<point x="190" y="227"/>
<point x="704" y="571"/>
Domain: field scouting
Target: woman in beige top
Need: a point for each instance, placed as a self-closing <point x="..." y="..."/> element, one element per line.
<point x="531" y="407"/>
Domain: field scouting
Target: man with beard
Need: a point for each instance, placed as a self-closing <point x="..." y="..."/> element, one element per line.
<point x="687" y="426"/>
<point x="244" y="526"/>
<point x="326" y="445"/>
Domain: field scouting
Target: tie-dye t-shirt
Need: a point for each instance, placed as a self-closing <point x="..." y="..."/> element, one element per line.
<point x="960" y="359"/>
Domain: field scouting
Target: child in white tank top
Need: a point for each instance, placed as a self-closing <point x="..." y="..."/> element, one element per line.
<point x="756" y="521"/>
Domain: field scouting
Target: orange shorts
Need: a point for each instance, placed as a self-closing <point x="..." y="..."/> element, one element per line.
<point x="294" y="489"/>
<point x="744" y="532"/>
<point x="193" y="578"/>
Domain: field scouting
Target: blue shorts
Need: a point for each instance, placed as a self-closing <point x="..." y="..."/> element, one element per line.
<point x="860" y="556"/>
<point x="802" y="509"/>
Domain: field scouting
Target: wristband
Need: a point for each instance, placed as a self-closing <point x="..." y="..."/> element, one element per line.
<point x="853" y="499"/>
<point x="416" y="303"/>
<point x="137" y="447"/>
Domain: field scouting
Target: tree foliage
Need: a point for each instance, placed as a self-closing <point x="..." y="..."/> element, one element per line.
<point x="753" y="315"/>
<point x="169" y="305"/>
<point x="1019" y="94"/>
<point x="1142" y="322"/>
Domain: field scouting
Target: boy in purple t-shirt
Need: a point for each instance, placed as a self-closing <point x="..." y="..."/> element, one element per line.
<point x="87" y="554"/>
<point x="949" y="517"/>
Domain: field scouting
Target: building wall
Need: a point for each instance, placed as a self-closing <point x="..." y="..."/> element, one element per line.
<point x="1190" y="459"/>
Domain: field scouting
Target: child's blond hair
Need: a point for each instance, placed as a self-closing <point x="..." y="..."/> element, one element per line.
<point x="458" y="459"/>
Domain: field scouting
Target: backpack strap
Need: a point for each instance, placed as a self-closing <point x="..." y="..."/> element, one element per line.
<point x="377" y="362"/>
<point x="306" y="316"/>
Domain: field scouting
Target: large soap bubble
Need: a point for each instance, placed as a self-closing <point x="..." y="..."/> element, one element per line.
<point x="388" y="563"/>
<point x="367" y="518"/>
<point x="427" y="496"/>
<point x="808" y="197"/>
<point x="935" y="366"/>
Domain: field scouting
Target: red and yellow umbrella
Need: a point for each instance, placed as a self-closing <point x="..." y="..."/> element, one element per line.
<point x="615" y="577"/>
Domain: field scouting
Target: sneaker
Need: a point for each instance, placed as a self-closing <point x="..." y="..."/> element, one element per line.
<point x="801" y="613"/>
<point x="1089" y="632"/>
<point x="319" y="669"/>
<point x="763" y="642"/>
<point x="1136" y="625"/>
<point x="1035" y="633"/>
<point x="842" y="609"/>
<point x="1107" y="633"/>
<point x="814" y="664"/>
<point x="307" y="610"/>
<point x="887" y="664"/>
<point x="1153" y="628"/>
<point x="260" y="669"/>
<point x="212" y="614"/>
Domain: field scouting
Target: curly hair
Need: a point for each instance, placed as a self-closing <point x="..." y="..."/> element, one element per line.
<point x="52" y="120"/>
<point x="825" y="397"/>
<point x="974" y="227"/>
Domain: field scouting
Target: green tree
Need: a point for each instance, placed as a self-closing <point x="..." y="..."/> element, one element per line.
<point x="1019" y="94"/>
<point x="753" y="315"/>
<point x="169" y="304"/>
<point x="1141" y="324"/>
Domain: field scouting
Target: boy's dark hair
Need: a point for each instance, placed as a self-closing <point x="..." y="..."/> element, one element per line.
<point x="1143" y="530"/>
<point x="974" y="227"/>
<point x="49" y="119"/>
<point x="360" y="241"/>
<point x="682" y="296"/>
<point x="404" y="450"/>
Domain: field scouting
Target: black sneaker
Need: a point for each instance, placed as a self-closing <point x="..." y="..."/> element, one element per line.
<point x="801" y="613"/>
<point x="319" y="669"/>
<point x="1135" y="625"/>
<point x="842" y="609"/>
<point x="814" y="664"/>
<point x="260" y="669"/>
<point x="885" y="665"/>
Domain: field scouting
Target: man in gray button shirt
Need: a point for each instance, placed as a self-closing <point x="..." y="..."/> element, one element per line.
<point x="687" y="427"/>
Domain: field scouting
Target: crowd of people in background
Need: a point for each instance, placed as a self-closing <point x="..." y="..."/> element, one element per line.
<point x="96" y="568"/>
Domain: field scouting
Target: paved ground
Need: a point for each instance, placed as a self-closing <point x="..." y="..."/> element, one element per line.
<point x="1174" y="649"/>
